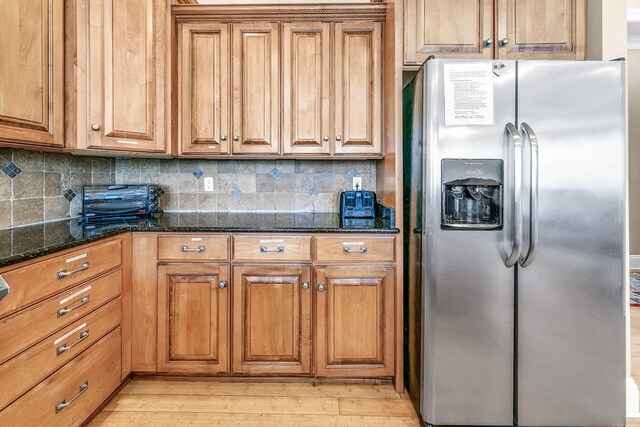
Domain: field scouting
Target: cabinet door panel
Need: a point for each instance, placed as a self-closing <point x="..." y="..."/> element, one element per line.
<point x="447" y="29"/>
<point x="542" y="29"/>
<point x="204" y="98"/>
<point x="31" y="70"/>
<point x="192" y="318"/>
<point x="256" y="88"/>
<point x="358" y="88"/>
<point x="124" y="100"/>
<point x="354" y="327"/>
<point x="272" y="320"/>
<point x="306" y="51"/>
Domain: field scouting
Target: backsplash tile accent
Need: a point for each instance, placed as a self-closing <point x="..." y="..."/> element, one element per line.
<point x="250" y="185"/>
<point x="46" y="186"/>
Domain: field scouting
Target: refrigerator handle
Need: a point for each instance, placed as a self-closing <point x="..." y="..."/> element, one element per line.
<point x="514" y="138"/>
<point x="529" y="135"/>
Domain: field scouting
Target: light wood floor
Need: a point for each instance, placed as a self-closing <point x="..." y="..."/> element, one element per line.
<point x="206" y="403"/>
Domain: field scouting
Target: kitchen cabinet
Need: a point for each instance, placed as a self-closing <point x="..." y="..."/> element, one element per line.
<point x="117" y="76"/>
<point x="272" y="319"/>
<point x="32" y="70"/>
<point x="504" y="29"/>
<point x="354" y="321"/>
<point x="193" y="318"/>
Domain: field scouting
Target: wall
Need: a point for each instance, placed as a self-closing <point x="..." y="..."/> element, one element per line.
<point x="248" y="185"/>
<point x="47" y="185"/>
<point x="606" y="29"/>
<point x="633" y="70"/>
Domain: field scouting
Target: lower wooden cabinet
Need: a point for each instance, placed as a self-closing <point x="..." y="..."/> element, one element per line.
<point x="193" y="313"/>
<point x="272" y="319"/>
<point x="354" y="321"/>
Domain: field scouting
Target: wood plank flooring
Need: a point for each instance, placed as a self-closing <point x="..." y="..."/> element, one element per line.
<point x="161" y="402"/>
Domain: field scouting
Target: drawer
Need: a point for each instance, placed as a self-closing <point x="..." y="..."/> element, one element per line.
<point x="272" y="248"/>
<point x="31" y="325"/>
<point x="42" y="279"/>
<point x="193" y="247"/>
<point x="350" y="248"/>
<point x="82" y="385"/>
<point x="29" y="367"/>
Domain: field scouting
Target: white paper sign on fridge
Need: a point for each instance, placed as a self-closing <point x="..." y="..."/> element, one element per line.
<point x="468" y="93"/>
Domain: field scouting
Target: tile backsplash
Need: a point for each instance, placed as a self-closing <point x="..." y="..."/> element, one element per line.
<point x="37" y="186"/>
<point x="248" y="185"/>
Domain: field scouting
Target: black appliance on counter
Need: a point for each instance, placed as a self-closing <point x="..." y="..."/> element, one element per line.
<point x="108" y="202"/>
<point x="357" y="208"/>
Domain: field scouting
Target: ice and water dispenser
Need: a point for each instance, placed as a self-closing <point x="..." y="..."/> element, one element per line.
<point x="472" y="194"/>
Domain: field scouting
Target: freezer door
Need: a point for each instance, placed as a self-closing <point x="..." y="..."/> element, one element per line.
<point x="468" y="299"/>
<point x="571" y="329"/>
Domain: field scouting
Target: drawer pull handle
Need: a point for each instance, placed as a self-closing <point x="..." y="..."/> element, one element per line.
<point x="278" y="249"/>
<point x="63" y="403"/>
<point x="348" y="250"/>
<point x="65" y="310"/>
<point x="65" y="347"/>
<point x="65" y="273"/>
<point x="188" y="249"/>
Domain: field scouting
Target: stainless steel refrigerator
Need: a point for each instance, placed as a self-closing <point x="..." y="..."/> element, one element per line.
<point x="515" y="242"/>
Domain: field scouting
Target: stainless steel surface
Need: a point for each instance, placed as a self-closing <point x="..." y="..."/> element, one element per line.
<point x="516" y="201"/>
<point x="571" y="364"/>
<point x="278" y="249"/>
<point x="188" y="249"/>
<point x="488" y="42"/>
<point x="467" y="294"/>
<point x="65" y="347"/>
<point x="95" y="127"/>
<point x="4" y="288"/>
<point x="64" y="273"/>
<point x="222" y="284"/>
<point x="63" y="403"/>
<point x="530" y="136"/>
<point x="504" y="42"/>
<point x="361" y="250"/>
<point x="321" y="287"/>
<point x="65" y="310"/>
<point x="305" y="285"/>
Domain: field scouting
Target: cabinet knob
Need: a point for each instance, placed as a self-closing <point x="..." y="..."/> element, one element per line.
<point x="223" y="138"/>
<point x="504" y="42"/>
<point x="320" y="287"/>
<point x="488" y="42"/>
<point x="236" y="138"/>
<point x="95" y="127"/>
<point x="222" y="284"/>
<point x="338" y="138"/>
<point x="325" y="138"/>
<point x="305" y="285"/>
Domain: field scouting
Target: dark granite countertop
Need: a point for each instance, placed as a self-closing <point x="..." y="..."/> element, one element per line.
<point x="24" y="243"/>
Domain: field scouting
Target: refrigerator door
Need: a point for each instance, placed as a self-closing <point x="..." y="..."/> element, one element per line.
<point x="571" y="329"/>
<point x="468" y="292"/>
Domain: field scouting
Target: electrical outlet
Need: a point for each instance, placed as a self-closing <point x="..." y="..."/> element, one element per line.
<point x="357" y="183"/>
<point x="208" y="183"/>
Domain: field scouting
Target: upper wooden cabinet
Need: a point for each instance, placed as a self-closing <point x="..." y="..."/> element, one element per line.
<point x="118" y="78"/>
<point x="504" y="29"/>
<point x="31" y="73"/>
<point x="302" y="82"/>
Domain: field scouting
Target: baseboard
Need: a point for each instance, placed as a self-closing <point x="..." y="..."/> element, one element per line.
<point x="633" y="399"/>
<point x="634" y="262"/>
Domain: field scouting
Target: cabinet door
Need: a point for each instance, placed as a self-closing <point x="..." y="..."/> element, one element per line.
<point x="357" y="88"/>
<point x="31" y="72"/>
<point x="305" y="52"/>
<point x="271" y="320"/>
<point x="125" y="75"/>
<point x="256" y="88"/>
<point x="354" y="321"/>
<point x="541" y="29"/>
<point x="203" y="76"/>
<point x="447" y="29"/>
<point x="193" y="312"/>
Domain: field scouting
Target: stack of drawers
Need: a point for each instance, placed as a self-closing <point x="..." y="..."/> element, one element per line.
<point x="60" y="337"/>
